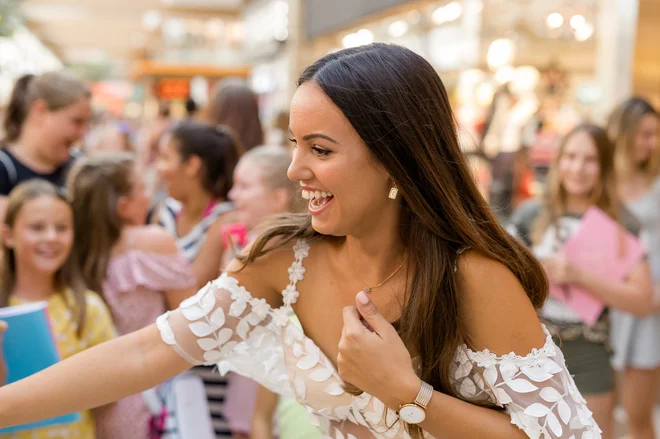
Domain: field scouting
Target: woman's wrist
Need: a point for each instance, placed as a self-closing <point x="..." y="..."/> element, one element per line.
<point x="404" y="391"/>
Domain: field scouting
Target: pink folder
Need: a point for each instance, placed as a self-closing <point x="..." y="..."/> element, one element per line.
<point x="597" y="246"/>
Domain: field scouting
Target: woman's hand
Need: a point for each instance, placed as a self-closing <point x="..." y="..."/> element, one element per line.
<point x="561" y="271"/>
<point x="373" y="358"/>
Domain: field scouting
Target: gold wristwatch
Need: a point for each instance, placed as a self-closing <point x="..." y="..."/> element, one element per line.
<point x="415" y="413"/>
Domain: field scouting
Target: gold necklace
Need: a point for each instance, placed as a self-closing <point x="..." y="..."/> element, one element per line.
<point x="368" y="289"/>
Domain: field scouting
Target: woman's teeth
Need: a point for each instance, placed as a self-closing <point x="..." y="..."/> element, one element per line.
<point x="309" y="195"/>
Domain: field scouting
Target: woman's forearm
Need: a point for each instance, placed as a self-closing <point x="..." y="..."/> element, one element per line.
<point x="632" y="297"/>
<point x="449" y="418"/>
<point x="264" y="413"/>
<point x="97" y="376"/>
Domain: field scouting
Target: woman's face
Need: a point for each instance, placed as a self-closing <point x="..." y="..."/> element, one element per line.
<point x="254" y="199"/>
<point x="646" y="138"/>
<point x="63" y="128"/>
<point x="134" y="207"/>
<point x="579" y="169"/>
<point x="176" y="175"/>
<point x="347" y="189"/>
<point x="42" y="235"/>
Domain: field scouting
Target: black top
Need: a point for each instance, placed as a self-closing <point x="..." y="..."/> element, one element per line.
<point x="13" y="172"/>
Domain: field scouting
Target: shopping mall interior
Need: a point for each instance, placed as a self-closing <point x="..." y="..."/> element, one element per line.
<point x="533" y="69"/>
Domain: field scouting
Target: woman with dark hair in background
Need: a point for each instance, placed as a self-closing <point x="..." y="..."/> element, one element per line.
<point x="236" y="106"/>
<point x="46" y="116"/>
<point x="442" y="340"/>
<point x="633" y="127"/>
<point x="196" y="167"/>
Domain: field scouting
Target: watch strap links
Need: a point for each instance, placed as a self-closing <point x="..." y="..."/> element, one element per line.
<point x="424" y="395"/>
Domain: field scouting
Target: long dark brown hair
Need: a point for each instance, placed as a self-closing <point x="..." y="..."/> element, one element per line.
<point x="95" y="185"/>
<point x="235" y="105"/>
<point x="217" y="149"/>
<point x="68" y="276"/>
<point x="398" y="105"/>
<point x="603" y="196"/>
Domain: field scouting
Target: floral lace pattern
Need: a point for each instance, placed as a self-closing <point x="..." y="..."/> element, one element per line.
<point x="537" y="391"/>
<point x="224" y="325"/>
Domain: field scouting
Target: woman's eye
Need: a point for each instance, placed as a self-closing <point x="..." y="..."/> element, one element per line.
<point x="321" y="152"/>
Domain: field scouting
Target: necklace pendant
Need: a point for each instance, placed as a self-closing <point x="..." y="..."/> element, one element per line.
<point x="367" y="290"/>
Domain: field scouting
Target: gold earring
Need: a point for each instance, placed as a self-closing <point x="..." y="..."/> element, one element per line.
<point x="394" y="191"/>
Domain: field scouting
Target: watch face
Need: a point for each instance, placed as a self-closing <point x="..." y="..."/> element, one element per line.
<point x="412" y="414"/>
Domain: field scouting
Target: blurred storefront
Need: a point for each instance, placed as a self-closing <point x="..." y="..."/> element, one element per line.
<point x="541" y="56"/>
<point x="20" y="53"/>
<point x="646" y="69"/>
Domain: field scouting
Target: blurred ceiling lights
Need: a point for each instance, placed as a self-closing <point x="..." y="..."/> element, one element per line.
<point x="448" y="13"/>
<point x="579" y="27"/>
<point x="398" y="28"/>
<point x="359" y="38"/>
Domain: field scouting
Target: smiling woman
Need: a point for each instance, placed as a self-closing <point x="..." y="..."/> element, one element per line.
<point x="46" y="116"/>
<point x="450" y="334"/>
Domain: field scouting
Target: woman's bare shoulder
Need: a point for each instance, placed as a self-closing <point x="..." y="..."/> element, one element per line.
<point x="270" y="271"/>
<point x="495" y="309"/>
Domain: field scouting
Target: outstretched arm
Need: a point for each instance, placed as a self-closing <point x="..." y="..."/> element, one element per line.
<point x="97" y="376"/>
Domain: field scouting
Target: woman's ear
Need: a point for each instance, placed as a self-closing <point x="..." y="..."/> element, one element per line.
<point x="192" y="166"/>
<point x="38" y="109"/>
<point x="7" y="236"/>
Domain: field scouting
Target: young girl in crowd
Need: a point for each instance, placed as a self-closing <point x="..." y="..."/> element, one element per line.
<point x="261" y="189"/>
<point x="38" y="236"/>
<point x="583" y="176"/>
<point x="633" y="127"/>
<point x="196" y="166"/>
<point x="138" y="268"/>
<point x="46" y="116"/>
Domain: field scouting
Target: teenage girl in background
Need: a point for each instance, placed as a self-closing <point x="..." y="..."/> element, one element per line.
<point x="262" y="189"/>
<point x="633" y="127"/>
<point x="38" y="236"/>
<point x="196" y="166"/>
<point x="138" y="268"/>
<point x="582" y="176"/>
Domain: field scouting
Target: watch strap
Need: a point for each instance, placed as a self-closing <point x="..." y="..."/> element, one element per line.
<point x="424" y="395"/>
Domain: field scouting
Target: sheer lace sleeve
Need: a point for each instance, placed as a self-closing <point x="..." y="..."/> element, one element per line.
<point x="224" y="325"/>
<point x="537" y="391"/>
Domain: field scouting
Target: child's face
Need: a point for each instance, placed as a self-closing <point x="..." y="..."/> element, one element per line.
<point x="133" y="208"/>
<point x="42" y="235"/>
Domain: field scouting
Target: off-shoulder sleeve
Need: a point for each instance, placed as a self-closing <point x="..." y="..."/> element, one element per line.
<point x="224" y="325"/>
<point x="537" y="391"/>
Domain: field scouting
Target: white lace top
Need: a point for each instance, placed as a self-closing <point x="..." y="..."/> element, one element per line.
<point x="224" y="325"/>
